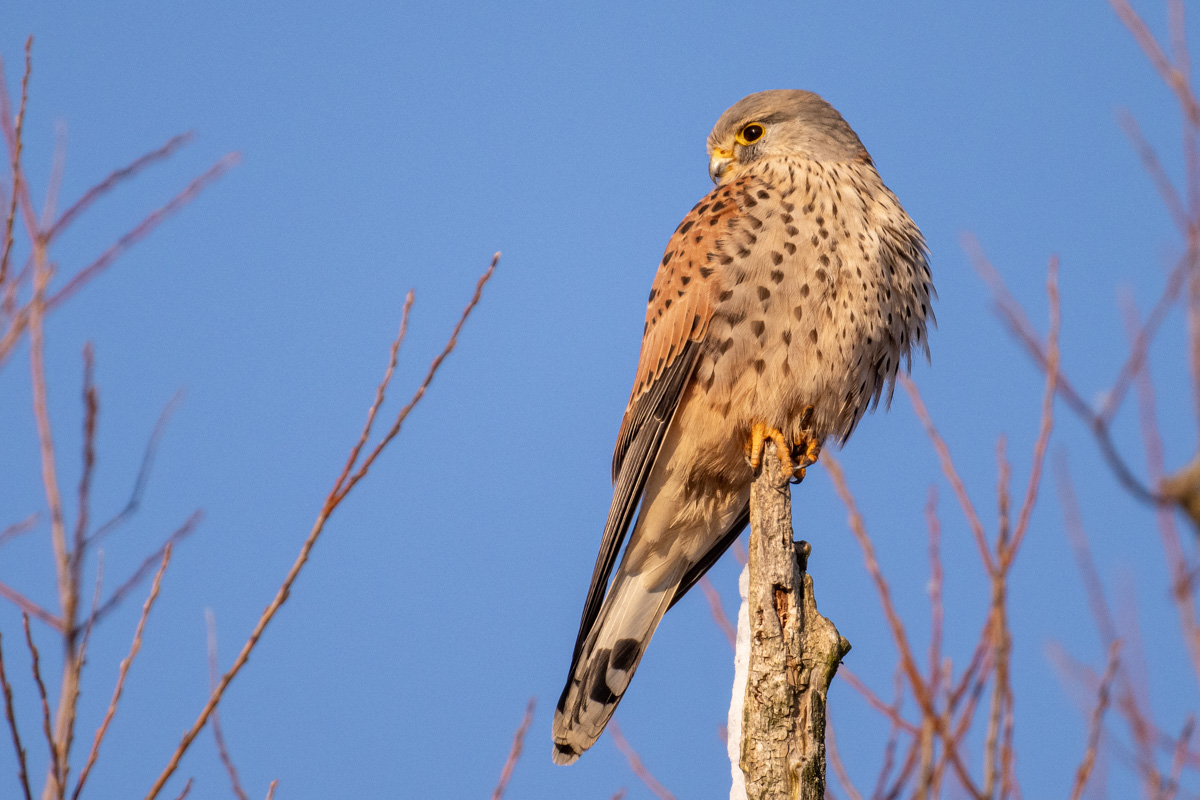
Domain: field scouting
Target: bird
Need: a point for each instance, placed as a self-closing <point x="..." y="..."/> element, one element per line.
<point x="782" y="310"/>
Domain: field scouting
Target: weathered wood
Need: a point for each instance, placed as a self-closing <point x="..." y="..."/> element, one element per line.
<point x="794" y="653"/>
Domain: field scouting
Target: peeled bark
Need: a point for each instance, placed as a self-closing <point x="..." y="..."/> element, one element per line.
<point x="794" y="653"/>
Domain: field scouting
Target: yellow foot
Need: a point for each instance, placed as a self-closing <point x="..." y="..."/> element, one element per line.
<point x="805" y="452"/>
<point x="759" y="434"/>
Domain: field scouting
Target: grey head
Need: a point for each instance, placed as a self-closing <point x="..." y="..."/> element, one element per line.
<point x="780" y="123"/>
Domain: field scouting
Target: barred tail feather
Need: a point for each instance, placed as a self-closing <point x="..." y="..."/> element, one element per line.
<point x="631" y="612"/>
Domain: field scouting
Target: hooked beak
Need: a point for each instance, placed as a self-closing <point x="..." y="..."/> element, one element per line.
<point x="718" y="164"/>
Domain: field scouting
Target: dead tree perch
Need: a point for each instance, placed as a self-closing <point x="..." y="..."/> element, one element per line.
<point x="794" y="653"/>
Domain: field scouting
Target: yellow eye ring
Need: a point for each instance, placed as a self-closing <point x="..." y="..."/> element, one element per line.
<point x="750" y="134"/>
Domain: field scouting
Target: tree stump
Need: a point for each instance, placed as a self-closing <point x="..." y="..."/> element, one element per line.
<point x="794" y="653"/>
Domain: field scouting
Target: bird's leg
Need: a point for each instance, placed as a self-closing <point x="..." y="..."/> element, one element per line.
<point x="760" y="432"/>
<point x="806" y="449"/>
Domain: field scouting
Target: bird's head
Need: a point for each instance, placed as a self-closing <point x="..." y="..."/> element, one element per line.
<point x="776" y="124"/>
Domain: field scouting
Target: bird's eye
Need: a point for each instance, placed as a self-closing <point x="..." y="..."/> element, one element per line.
<point x="750" y="134"/>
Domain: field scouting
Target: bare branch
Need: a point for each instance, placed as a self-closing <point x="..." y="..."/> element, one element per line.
<point x="515" y="753"/>
<point x="55" y="766"/>
<point x="213" y="671"/>
<point x="18" y="127"/>
<point x="1097" y="724"/>
<point x="635" y="763"/>
<point x="122" y="672"/>
<point x="143" y="476"/>
<point x="948" y="468"/>
<point x="122" y="591"/>
<point x="29" y="607"/>
<point x="10" y="715"/>
<point x="1155" y="168"/>
<point x="718" y="611"/>
<point x="18" y="528"/>
<point x="114" y="179"/>
<point x="141" y="230"/>
<point x="839" y="769"/>
<point x="341" y="488"/>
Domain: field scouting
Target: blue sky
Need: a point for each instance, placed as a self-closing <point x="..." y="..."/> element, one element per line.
<point x="395" y="145"/>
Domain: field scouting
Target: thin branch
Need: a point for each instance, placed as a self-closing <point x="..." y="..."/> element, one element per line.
<point x="917" y="683"/>
<point x="1178" y="759"/>
<point x="951" y="473"/>
<point x="380" y="392"/>
<point x="271" y="789"/>
<point x="1096" y="726"/>
<point x="635" y="763"/>
<point x="218" y="734"/>
<point x="10" y="715"/>
<point x="332" y="500"/>
<point x="839" y="769"/>
<point x="1013" y="317"/>
<point x="514" y="754"/>
<point x="114" y="178"/>
<point x="1176" y="80"/>
<point x="91" y="405"/>
<point x="18" y="528"/>
<point x="1009" y="552"/>
<point x="143" y="475"/>
<point x="1154" y="167"/>
<point x="122" y="672"/>
<point x="29" y="607"/>
<point x="187" y="787"/>
<point x="121" y="592"/>
<point x="17" y="144"/>
<point x="718" y="611"/>
<point x="420" y="392"/>
<point x="55" y="767"/>
<point x="141" y="230"/>
<point x="876" y="702"/>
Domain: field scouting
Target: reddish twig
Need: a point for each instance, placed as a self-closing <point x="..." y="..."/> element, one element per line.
<point x="1178" y="758"/>
<point x="876" y="702"/>
<point x="1176" y="80"/>
<point x="839" y="769"/>
<point x="115" y="178"/>
<point x="122" y="672"/>
<point x="342" y="486"/>
<point x="218" y="734"/>
<point x="514" y="754"/>
<point x="143" y="475"/>
<point x="718" y="611"/>
<point x="18" y="528"/>
<point x="141" y="230"/>
<point x="187" y="788"/>
<point x="951" y="473"/>
<point x="1095" y="727"/>
<point x="91" y="406"/>
<point x="122" y="591"/>
<point x="899" y="637"/>
<point x="635" y="763"/>
<point x="10" y="715"/>
<point x="55" y="767"/>
<point x="29" y="607"/>
<point x="18" y="126"/>
<point x="1014" y="318"/>
<point x="1150" y="162"/>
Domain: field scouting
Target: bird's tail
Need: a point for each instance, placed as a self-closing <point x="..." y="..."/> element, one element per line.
<point x="632" y="610"/>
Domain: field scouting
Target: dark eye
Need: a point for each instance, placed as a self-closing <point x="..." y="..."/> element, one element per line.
<point x="750" y="134"/>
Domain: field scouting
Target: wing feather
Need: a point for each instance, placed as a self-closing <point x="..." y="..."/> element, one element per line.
<point x="677" y="315"/>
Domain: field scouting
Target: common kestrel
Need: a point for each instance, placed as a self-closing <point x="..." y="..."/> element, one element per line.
<point x="784" y="305"/>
